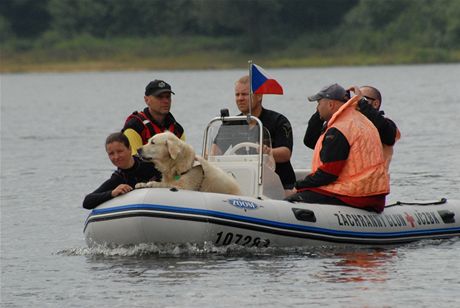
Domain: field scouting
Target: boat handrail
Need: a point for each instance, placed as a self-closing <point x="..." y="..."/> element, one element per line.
<point x="247" y="118"/>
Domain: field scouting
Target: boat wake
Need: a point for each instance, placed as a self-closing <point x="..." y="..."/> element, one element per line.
<point x="209" y="250"/>
<point x="187" y="250"/>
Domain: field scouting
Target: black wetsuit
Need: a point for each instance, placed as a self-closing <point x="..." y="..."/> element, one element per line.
<point x="140" y="172"/>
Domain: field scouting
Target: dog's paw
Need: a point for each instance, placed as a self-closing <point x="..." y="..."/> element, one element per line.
<point x="151" y="184"/>
<point x="140" y="185"/>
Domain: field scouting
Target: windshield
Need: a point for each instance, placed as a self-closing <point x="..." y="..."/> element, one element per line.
<point x="235" y="138"/>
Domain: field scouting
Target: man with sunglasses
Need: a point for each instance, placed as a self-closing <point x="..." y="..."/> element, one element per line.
<point x="369" y="105"/>
<point x="155" y="118"/>
<point x="388" y="131"/>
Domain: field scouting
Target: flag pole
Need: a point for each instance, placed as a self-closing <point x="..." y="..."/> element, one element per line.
<point x="250" y="90"/>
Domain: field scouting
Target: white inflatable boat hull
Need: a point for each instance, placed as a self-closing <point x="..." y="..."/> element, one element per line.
<point x="170" y="216"/>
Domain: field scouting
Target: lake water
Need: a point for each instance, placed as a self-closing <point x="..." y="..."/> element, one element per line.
<point x="53" y="127"/>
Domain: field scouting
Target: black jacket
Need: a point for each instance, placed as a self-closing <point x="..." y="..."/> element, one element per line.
<point x="140" y="172"/>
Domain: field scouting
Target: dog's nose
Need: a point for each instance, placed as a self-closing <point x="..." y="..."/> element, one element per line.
<point x="139" y="152"/>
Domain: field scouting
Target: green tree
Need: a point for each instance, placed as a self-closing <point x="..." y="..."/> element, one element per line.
<point x="300" y="17"/>
<point x="386" y="24"/>
<point x="119" y="18"/>
<point x="253" y="20"/>
<point x="24" y="18"/>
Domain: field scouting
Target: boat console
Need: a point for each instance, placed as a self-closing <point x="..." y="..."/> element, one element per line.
<point x="240" y="145"/>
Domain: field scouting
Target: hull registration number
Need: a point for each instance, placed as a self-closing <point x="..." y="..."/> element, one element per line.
<point x="227" y="238"/>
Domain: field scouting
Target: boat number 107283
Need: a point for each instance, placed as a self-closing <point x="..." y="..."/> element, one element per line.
<point x="240" y="239"/>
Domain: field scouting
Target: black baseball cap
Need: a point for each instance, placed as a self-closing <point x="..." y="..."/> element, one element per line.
<point x="157" y="87"/>
<point x="333" y="91"/>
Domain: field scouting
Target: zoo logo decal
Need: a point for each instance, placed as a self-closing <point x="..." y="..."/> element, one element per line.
<point x="243" y="204"/>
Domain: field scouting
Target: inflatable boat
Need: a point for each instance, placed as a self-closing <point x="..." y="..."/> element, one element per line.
<point x="259" y="217"/>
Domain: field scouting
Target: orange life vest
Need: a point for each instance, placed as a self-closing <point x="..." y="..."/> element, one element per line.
<point x="364" y="173"/>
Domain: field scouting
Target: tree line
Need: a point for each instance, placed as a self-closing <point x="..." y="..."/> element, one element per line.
<point x="253" y="26"/>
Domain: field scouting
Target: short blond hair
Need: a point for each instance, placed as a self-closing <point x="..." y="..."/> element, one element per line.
<point x="243" y="80"/>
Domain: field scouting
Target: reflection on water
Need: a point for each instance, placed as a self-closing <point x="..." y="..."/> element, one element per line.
<point x="359" y="266"/>
<point x="341" y="264"/>
<point x="202" y="276"/>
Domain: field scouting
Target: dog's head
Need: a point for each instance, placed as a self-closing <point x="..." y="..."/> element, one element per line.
<point x="168" y="153"/>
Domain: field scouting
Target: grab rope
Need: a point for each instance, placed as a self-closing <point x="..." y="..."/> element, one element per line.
<point x="441" y="201"/>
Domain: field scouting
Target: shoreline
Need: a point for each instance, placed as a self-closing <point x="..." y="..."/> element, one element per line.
<point x="208" y="61"/>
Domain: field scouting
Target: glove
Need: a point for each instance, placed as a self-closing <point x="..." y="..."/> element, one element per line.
<point x="316" y="120"/>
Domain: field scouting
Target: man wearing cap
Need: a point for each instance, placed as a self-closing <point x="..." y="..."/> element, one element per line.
<point x="155" y="118"/>
<point x="369" y="105"/>
<point x="348" y="167"/>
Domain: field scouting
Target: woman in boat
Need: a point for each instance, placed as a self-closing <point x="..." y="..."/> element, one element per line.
<point x="130" y="171"/>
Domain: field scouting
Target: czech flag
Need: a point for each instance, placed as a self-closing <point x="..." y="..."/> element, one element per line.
<point x="262" y="83"/>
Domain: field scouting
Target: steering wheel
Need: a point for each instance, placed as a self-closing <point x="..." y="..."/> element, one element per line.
<point x="232" y="151"/>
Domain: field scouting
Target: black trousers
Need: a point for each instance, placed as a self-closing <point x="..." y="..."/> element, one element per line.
<point x="308" y="196"/>
<point x="314" y="197"/>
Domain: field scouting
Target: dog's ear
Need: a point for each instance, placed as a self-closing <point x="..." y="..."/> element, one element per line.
<point x="173" y="148"/>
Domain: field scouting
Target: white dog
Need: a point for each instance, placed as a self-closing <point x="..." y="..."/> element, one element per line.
<point x="181" y="168"/>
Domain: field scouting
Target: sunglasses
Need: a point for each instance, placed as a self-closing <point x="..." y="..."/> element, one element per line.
<point x="370" y="98"/>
